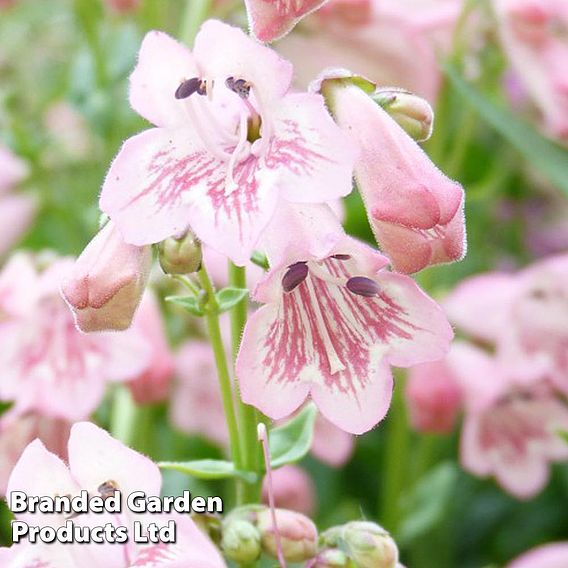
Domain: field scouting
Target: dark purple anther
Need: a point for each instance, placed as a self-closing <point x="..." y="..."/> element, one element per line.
<point x="294" y="276"/>
<point x="363" y="286"/>
<point x="239" y="86"/>
<point x="187" y="88"/>
<point x="341" y="256"/>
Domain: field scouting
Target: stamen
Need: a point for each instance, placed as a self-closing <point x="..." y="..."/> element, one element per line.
<point x="295" y="275"/>
<point x="341" y="256"/>
<point x="107" y="489"/>
<point x="236" y="156"/>
<point x="239" y="86"/>
<point x="189" y="87"/>
<point x="363" y="286"/>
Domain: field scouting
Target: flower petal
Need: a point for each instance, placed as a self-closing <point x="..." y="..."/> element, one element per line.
<point x="163" y="63"/>
<point x="225" y="51"/>
<point x="271" y="19"/>
<point x="96" y="457"/>
<point x="314" y="157"/>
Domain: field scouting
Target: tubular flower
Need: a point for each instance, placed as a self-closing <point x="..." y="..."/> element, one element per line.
<point x="272" y="19"/>
<point x="49" y="366"/>
<point x="230" y="143"/>
<point x="107" y="282"/>
<point x="333" y="323"/>
<point x="553" y="555"/>
<point x="510" y="427"/>
<point x="414" y="210"/>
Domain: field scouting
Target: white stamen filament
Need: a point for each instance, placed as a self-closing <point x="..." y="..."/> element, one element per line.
<point x="230" y="184"/>
<point x="335" y="364"/>
<point x="260" y="146"/>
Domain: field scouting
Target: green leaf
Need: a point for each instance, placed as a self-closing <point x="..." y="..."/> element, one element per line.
<point x="564" y="435"/>
<point x="209" y="469"/>
<point x="228" y="298"/>
<point x="188" y="303"/>
<point x="427" y="503"/>
<point x="543" y="154"/>
<point x="290" y="442"/>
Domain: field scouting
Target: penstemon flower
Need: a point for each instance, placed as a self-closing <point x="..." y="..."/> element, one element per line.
<point x="511" y="426"/>
<point x="334" y="322"/>
<point x="414" y="210"/>
<point x="48" y="365"/>
<point x="272" y="19"/>
<point x="552" y="555"/>
<point x="230" y="144"/>
<point x="98" y="463"/>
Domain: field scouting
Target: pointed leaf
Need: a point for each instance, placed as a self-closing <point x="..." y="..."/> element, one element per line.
<point x="228" y="298"/>
<point x="209" y="469"/>
<point x="188" y="303"/>
<point x="543" y="154"/>
<point x="292" y="441"/>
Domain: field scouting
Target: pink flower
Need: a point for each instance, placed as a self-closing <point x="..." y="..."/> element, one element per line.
<point x="17" y="431"/>
<point x="331" y="444"/>
<point x="220" y="163"/>
<point x="12" y="169"/>
<point x="123" y="6"/>
<point x="272" y="19"/>
<point x="510" y="428"/>
<point x="533" y="33"/>
<point x="195" y="404"/>
<point x="293" y="489"/>
<point x="97" y="461"/>
<point x="553" y="555"/>
<point x="415" y="211"/>
<point x="107" y="282"/>
<point x="16" y="210"/>
<point x="153" y="385"/>
<point x="433" y="397"/>
<point x="47" y="365"/>
<point x="393" y="42"/>
<point x="333" y="323"/>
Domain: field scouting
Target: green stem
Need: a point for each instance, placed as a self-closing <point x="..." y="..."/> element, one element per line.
<point x="124" y="414"/>
<point x="396" y="460"/>
<point x="248" y="416"/>
<point x="214" y="329"/>
<point x="196" y="12"/>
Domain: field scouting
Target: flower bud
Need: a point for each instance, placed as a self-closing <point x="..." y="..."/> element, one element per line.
<point x="369" y="545"/>
<point x="180" y="255"/>
<point x="414" y="114"/>
<point x="107" y="282"/>
<point x="241" y="541"/>
<point x="298" y="535"/>
<point x="332" y="558"/>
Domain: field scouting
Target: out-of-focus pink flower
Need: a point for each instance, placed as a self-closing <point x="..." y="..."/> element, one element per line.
<point x="415" y="211"/>
<point x="16" y="432"/>
<point x="123" y="6"/>
<point x="333" y="323"/>
<point x="153" y="385"/>
<point x="107" y="282"/>
<point x="196" y="406"/>
<point x="510" y="428"/>
<point x="199" y="168"/>
<point x="553" y="555"/>
<point x="392" y="42"/>
<point x="16" y="210"/>
<point x="293" y="489"/>
<point x="47" y="365"/>
<point x="534" y="35"/>
<point x="99" y="463"/>
<point x="331" y="444"/>
<point x="272" y="19"/>
<point x="434" y="398"/>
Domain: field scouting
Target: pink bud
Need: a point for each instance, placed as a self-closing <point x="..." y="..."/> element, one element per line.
<point x="293" y="489"/>
<point x="107" y="282"/>
<point x="298" y="534"/>
<point x="123" y="6"/>
<point x="415" y="211"/>
<point x="434" y="397"/>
